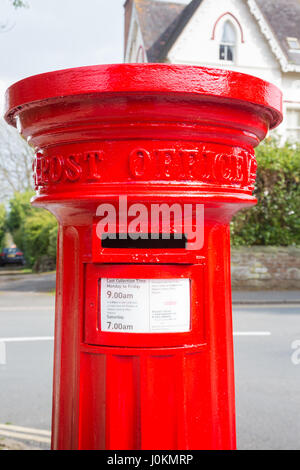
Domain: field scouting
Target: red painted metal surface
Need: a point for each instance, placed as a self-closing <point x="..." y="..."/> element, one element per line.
<point x="153" y="133"/>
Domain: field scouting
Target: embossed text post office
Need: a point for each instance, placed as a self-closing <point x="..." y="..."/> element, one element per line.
<point x="143" y="337"/>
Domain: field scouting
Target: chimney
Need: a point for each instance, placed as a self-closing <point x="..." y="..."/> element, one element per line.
<point x="128" y="11"/>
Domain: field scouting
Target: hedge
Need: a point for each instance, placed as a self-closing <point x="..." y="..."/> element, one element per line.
<point x="276" y="218"/>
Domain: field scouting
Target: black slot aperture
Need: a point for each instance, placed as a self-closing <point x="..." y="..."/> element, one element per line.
<point x="152" y="242"/>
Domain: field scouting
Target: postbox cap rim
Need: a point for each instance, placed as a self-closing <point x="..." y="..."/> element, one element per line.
<point x="144" y="78"/>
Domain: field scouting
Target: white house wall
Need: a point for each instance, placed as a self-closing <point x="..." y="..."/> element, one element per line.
<point x="254" y="56"/>
<point x="291" y="86"/>
<point x="291" y="94"/>
<point x="135" y="51"/>
<point x="200" y="40"/>
<point x="196" y="46"/>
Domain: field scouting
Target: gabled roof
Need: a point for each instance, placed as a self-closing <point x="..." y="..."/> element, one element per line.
<point x="160" y="48"/>
<point x="283" y="17"/>
<point x="155" y="17"/>
<point x="163" y="22"/>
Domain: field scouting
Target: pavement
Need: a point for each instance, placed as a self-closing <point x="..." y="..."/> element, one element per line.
<point x="15" y="281"/>
<point x="10" y="444"/>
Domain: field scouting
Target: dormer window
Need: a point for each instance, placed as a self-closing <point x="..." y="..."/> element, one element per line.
<point x="293" y="43"/>
<point x="228" y="43"/>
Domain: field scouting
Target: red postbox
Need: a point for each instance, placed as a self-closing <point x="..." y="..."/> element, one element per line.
<point x="143" y="337"/>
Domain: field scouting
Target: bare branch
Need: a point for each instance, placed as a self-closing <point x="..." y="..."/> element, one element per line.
<point x="9" y="24"/>
<point x="15" y="162"/>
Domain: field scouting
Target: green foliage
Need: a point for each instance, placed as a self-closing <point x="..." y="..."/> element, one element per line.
<point x="33" y="230"/>
<point x="19" y="3"/>
<point x="2" y="223"/>
<point x="20" y="208"/>
<point x="36" y="234"/>
<point x="52" y="242"/>
<point x="276" y="218"/>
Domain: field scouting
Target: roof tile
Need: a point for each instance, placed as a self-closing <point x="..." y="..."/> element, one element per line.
<point x="155" y="17"/>
<point x="283" y="16"/>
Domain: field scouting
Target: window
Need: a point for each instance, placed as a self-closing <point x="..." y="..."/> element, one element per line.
<point x="293" y="44"/>
<point x="228" y="43"/>
<point x="293" y="125"/>
<point x="140" y="58"/>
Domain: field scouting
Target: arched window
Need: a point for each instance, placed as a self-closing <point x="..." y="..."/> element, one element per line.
<point x="140" y="57"/>
<point x="228" y="43"/>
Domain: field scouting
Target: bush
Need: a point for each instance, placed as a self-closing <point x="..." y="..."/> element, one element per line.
<point x="52" y="242"/>
<point x="36" y="235"/>
<point x="276" y="218"/>
<point x="19" y="210"/>
<point x="33" y="230"/>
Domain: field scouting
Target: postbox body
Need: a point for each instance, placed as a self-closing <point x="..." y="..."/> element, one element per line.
<point x="143" y="336"/>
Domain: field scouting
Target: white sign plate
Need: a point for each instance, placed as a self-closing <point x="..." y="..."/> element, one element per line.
<point x="145" y="305"/>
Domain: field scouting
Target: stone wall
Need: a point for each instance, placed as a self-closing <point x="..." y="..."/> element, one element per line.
<point x="265" y="267"/>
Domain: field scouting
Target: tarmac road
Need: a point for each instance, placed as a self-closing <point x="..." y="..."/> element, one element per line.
<point x="267" y="369"/>
<point x="267" y="373"/>
<point x="26" y="364"/>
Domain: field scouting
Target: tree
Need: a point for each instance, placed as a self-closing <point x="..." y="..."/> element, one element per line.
<point x="15" y="163"/>
<point x="19" y="210"/>
<point x="33" y="230"/>
<point x="8" y="24"/>
<point x="18" y="3"/>
<point x="39" y="231"/>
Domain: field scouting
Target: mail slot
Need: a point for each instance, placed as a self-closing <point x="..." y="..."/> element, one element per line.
<point x="144" y="166"/>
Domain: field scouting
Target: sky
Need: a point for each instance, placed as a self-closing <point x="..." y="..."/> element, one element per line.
<point x="57" y="34"/>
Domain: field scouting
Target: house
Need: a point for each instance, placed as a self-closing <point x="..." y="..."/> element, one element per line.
<point x="257" y="37"/>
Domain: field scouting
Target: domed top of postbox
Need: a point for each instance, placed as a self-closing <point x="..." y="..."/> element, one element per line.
<point x="144" y="79"/>
<point x="125" y="128"/>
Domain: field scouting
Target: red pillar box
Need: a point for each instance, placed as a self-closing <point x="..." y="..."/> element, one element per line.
<point x="144" y="167"/>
